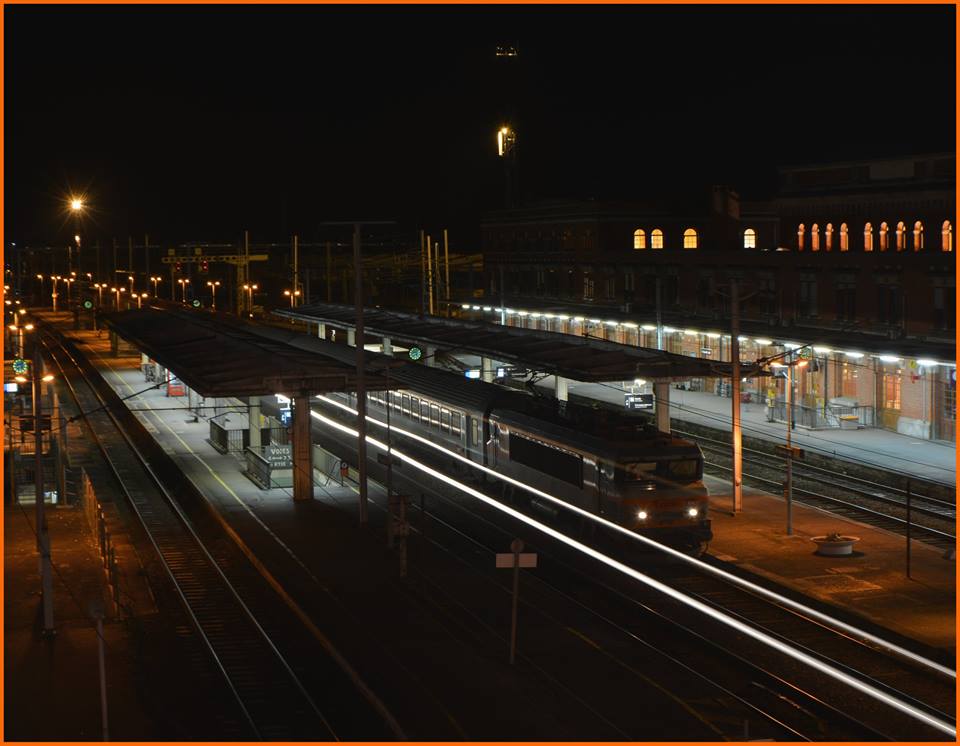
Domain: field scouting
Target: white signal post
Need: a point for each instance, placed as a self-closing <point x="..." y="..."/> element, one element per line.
<point x="515" y="559"/>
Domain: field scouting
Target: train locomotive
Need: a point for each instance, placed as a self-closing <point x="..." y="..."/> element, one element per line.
<point x="615" y="465"/>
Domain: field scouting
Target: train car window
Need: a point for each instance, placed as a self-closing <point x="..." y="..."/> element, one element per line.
<point x="455" y="423"/>
<point x="434" y="415"/>
<point x="558" y="464"/>
<point x="415" y="407"/>
<point x="405" y="404"/>
<point x="639" y="471"/>
<point x="424" y="411"/>
<point x="445" y="420"/>
<point x="686" y="469"/>
<point x="475" y="439"/>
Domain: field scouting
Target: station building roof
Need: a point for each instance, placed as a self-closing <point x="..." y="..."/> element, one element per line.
<point x="577" y="358"/>
<point x="216" y="355"/>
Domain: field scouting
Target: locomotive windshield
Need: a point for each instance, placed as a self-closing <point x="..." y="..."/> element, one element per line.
<point x="639" y="471"/>
<point x="687" y="469"/>
<point x="682" y="470"/>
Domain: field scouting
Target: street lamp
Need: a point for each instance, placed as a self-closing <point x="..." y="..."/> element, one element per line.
<point x="183" y="284"/>
<point x="118" y="291"/>
<point x="40" y="277"/>
<point x="54" y="278"/>
<point x="69" y="281"/>
<point x="155" y="280"/>
<point x="213" y="285"/>
<point x="99" y="286"/>
<point x="130" y="277"/>
<point x="292" y="295"/>
<point x="140" y="298"/>
<point x="76" y="208"/>
<point x="250" y="288"/>
<point x="43" y="533"/>
<point x="788" y="490"/>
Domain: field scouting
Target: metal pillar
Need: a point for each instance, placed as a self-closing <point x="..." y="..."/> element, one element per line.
<point x="351" y="338"/>
<point x="386" y="346"/>
<point x="661" y="392"/>
<point x="487" y="373"/>
<point x="43" y="533"/>
<point x="322" y="330"/>
<point x="302" y="449"/>
<point x="562" y="386"/>
<point x="253" y="416"/>
<point x="361" y="387"/>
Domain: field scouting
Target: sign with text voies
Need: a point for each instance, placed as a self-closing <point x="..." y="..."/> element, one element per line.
<point x="279" y="456"/>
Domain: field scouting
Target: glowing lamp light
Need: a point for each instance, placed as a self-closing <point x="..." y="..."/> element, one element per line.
<point x="927" y="363"/>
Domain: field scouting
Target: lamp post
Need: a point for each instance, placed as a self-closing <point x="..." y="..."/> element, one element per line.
<point x="69" y="281"/>
<point x="213" y="285"/>
<point x="99" y="286"/>
<point x="140" y="297"/>
<point x="292" y="295"/>
<point x="40" y="277"/>
<point x="155" y="280"/>
<point x="53" y="295"/>
<point x="43" y="533"/>
<point x="250" y="288"/>
<point x="117" y="292"/>
<point x="130" y="278"/>
<point x="183" y="285"/>
<point x="76" y="209"/>
<point x="788" y="484"/>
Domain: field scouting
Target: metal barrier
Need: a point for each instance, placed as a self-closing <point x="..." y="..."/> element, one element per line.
<point x="98" y="524"/>
<point x="238" y="439"/>
<point x="821" y="418"/>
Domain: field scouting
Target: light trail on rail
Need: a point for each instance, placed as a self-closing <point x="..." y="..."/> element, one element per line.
<point x="703" y="608"/>
<point x="730" y="577"/>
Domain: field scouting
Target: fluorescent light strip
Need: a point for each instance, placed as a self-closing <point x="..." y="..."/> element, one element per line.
<point x="752" y="587"/>
<point x="658" y="586"/>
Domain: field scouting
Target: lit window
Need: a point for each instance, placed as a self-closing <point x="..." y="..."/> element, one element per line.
<point x="884" y="237"/>
<point x="800" y="231"/>
<point x="689" y="239"/>
<point x="901" y="236"/>
<point x="749" y="239"/>
<point x="815" y="237"/>
<point x="917" y="236"/>
<point x="828" y="237"/>
<point x="868" y="237"/>
<point x="639" y="239"/>
<point x="946" y="236"/>
<point x="656" y="239"/>
<point x="844" y="238"/>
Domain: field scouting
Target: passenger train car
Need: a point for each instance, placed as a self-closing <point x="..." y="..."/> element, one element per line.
<point x="614" y="465"/>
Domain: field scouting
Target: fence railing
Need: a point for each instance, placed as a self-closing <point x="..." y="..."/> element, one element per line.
<point x="98" y="524"/>
<point x="825" y="417"/>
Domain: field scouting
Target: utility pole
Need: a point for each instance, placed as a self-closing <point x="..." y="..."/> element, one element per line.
<point x="446" y="262"/>
<point x="43" y="533"/>
<point x="429" y="275"/>
<point x="296" y="268"/>
<point x="113" y="267"/>
<point x="361" y="388"/>
<point x="146" y="257"/>
<point x="130" y="254"/>
<point x="659" y="319"/>
<point x="789" y="475"/>
<point x="737" y="441"/>
<point x="97" y="248"/>
<point x="423" y="273"/>
<point x="330" y="274"/>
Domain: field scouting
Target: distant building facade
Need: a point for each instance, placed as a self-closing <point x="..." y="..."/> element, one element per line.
<point x="855" y="251"/>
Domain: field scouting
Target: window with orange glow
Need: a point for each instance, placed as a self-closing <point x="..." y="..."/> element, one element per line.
<point x="689" y="239"/>
<point x="891" y="390"/>
<point x="639" y="239"/>
<point x="749" y="239"/>
<point x="828" y="237"/>
<point x="917" y="236"/>
<point x="901" y="236"/>
<point x="800" y="231"/>
<point x="884" y="237"/>
<point x="656" y="239"/>
<point x="868" y="237"/>
<point x="844" y="238"/>
<point x="946" y="236"/>
<point x="814" y="237"/>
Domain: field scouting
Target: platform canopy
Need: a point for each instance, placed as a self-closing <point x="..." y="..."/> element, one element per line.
<point x="218" y="355"/>
<point x="577" y="358"/>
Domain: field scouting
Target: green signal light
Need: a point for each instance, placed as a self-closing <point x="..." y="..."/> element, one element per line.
<point x="415" y="353"/>
<point x="88" y="304"/>
<point x="196" y="303"/>
<point x="20" y="366"/>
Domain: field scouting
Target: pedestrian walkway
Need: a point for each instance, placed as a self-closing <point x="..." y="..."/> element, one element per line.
<point x="872" y="583"/>
<point x="51" y="685"/>
<point x="925" y="459"/>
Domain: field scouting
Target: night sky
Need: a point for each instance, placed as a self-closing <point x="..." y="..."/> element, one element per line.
<point x="193" y="123"/>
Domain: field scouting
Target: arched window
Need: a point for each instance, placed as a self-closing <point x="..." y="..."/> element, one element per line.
<point x="656" y="239"/>
<point x="917" y="236"/>
<point x="868" y="237"/>
<point x="749" y="239"/>
<point x="884" y="239"/>
<point x="828" y="237"/>
<point x="814" y="237"/>
<point x="946" y="236"/>
<point x="639" y="239"/>
<point x="844" y="238"/>
<point x="689" y="239"/>
<point x="901" y="236"/>
<point x="800" y="232"/>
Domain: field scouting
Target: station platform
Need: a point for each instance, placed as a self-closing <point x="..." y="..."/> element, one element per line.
<point x="926" y="459"/>
<point x="871" y="584"/>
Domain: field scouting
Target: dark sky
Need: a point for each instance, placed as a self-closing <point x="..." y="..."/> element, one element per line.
<point x="193" y="123"/>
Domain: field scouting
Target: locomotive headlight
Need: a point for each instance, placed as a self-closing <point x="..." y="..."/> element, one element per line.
<point x="693" y="512"/>
<point x="642" y="515"/>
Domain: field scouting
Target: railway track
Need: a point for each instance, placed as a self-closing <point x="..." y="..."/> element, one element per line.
<point x="883" y="506"/>
<point x="790" y="698"/>
<point x="267" y="699"/>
